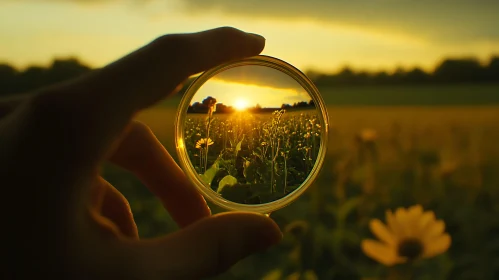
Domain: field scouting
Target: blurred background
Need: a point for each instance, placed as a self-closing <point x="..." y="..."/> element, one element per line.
<point x="412" y="89"/>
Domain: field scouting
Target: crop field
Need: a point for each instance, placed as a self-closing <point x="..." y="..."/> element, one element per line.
<point x="443" y="158"/>
<point x="253" y="158"/>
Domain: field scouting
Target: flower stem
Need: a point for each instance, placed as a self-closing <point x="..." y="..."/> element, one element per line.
<point x="402" y="272"/>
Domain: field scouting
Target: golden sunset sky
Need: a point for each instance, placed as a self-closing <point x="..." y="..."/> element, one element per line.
<point x="247" y="86"/>
<point x="324" y="35"/>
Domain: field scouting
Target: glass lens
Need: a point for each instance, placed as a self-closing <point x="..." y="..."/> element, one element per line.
<point x="252" y="134"/>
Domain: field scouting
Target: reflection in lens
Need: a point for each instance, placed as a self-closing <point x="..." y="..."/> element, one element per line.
<point x="252" y="133"/>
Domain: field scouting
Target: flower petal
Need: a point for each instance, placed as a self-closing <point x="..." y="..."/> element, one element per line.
<point x="416" y="210"/>
<point x="433" y="230"/>
<point x="380" y="252"/>
<point x="392" y="223"/>
<point x="383" y="233"/>
<point x="414" y="214"/>
<point x="427" y="219"/>
<point x="437" y="246"/>
<point x="402" y="220"/>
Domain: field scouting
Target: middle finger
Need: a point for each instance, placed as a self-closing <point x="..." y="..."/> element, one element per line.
<point x="140" y="152"/>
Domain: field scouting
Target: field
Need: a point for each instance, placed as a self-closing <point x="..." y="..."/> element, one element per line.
<point x="445" y="158"/>
<point x="253" y="158"/>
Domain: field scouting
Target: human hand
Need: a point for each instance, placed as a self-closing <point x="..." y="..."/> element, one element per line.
<point x="62" y="219"/>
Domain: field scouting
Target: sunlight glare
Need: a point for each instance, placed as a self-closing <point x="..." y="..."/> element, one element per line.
<point x="241" y="104"/>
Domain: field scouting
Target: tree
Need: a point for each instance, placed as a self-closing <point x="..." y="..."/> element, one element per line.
<point x="31" y="78"/>
<point x="417" y="76"/>
<point x="64" y="69"/>
<point x="459" y="70"/>
<point x="493" y="69"/>
<point x="8" y="76"/>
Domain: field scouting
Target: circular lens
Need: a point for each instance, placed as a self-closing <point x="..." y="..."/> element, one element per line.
<point x="251" y="135"/>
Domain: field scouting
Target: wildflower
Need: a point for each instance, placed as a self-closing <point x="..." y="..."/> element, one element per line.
<point x="297" y="228"/>
<point x="203" y="143"/>
<point x="212" y="109"/>
<point x="368" y="135"/>
<point x="410" y="234"/>
<point x="448" y="167"/>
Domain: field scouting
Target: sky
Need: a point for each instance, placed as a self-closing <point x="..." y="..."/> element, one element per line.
<point x="320" y="35"/>
<point x="246" y="86"/>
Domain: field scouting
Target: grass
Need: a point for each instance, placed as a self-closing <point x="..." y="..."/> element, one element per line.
<point x="404" y="95"/>
<point x="253" y="158"/>
<point x="443" y="157"/>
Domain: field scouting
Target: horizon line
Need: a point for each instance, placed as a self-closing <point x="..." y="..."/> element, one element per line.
<point x="339" y="68"/>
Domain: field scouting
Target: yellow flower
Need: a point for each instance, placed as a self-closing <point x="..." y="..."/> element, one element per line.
<point x="203" y="143"/>
<point x="410" y="234"/>
<point x="368" y="135"/>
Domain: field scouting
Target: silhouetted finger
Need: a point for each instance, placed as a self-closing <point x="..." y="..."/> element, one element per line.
<point x="88" y="113"/>
<point x="156" y="70"/>
<point x="206" y="248"/>
<point x="10" y="103"/>
<point x="110" y="204"/>
<point x="140" y="152"/>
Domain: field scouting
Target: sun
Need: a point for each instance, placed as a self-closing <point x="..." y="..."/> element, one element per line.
<point x="241" y="104"/>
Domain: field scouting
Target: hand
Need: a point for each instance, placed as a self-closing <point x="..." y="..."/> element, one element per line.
<point x="62" y="219"/>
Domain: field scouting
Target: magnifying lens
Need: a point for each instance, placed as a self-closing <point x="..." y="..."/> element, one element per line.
<point x="251" y="135"/>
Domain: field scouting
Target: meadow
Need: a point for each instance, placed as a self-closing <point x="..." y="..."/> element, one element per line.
<point x="253" y="158"/>
<point x="445" y="158"/>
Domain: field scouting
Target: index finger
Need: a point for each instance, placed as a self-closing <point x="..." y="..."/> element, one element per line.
<point x="101" y="104"/>
<point x="154" y="71"/>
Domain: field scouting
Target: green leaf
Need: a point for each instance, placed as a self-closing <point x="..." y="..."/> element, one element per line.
<point x="226" y="181"/>
<point x="359" y="174"/>
<point x="346" y="208"/>
<point x="208" y="176"/>
<point x="238" y="146"/>
<point x="275" y="274"/>
<point x="309" y="275"/>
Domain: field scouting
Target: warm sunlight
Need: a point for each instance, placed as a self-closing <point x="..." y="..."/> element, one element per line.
<point x="388" y="110"/>
<point x="241" y="104"/>
<point x="244" y="96"/>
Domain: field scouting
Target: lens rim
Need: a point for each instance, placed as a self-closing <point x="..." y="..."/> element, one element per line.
<point x="186" y="164"/>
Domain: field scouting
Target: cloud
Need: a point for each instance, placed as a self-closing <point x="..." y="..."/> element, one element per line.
<point x="447" y="20"/>
<point x="82" y="2"/>
<point x="255" y="84"/>
<point x="441" y="20"/>
<point x="452" y="21"/>
<point x="260" y="76"/>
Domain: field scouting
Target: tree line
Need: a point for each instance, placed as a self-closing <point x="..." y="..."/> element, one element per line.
<point x="203" y="107"/>
<point x="449" y="71"/>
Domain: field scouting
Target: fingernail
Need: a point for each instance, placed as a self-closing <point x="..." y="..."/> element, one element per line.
<point x="260" y="38"/>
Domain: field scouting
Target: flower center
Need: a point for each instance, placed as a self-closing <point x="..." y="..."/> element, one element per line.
<point x="410" y="248"/>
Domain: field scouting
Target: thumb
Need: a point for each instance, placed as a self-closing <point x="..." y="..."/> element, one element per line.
<point x="207" y="247"/>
